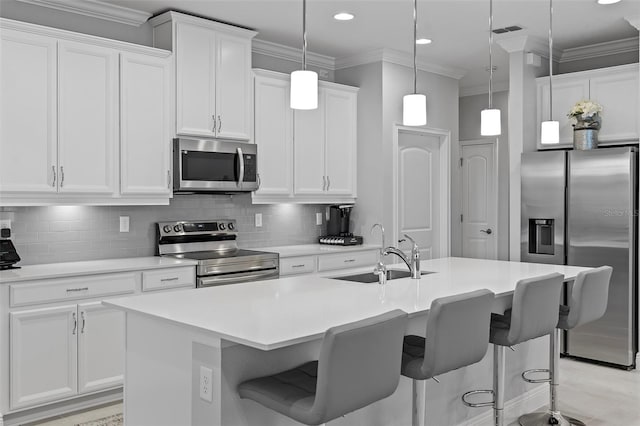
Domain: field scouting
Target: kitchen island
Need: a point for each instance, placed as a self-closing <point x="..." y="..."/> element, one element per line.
<point x="242" y="331"/>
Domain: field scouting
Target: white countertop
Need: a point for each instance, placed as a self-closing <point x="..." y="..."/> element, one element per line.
<point x="313" y="249"/>
<point x="69" y="269"/>
<point x="281" y="312"/>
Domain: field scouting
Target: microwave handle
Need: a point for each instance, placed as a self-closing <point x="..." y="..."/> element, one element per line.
<point x="241" y="158"/>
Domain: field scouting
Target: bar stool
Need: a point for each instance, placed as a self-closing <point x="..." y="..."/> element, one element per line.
<point x="359" y="364"/>
<point x="588" y="302"/>
<point x="457" y="336"/>
<point x="533" y="314"/>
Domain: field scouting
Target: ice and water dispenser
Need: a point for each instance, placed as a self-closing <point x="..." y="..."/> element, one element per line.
<point x="541" y="236"/>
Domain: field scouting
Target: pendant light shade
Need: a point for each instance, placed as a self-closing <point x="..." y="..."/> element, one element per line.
<point x="414" y="106"/>
<point x="490" y="118"/>
<point x="304" y="83"/>
<point x="550" y="130"/>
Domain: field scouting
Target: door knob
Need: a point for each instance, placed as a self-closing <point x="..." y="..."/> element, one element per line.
<point x="487" y="231"/>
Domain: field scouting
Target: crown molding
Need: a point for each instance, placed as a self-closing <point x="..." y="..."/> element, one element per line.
<point x="291" y="54"/>
<point x="527" y="43"/>
<point x="615" y="47"/>
<point x="399" y="58"/>
<point x="96" y="9"/>
<point x="483" y="89"/>
<point x="633" y="21"/>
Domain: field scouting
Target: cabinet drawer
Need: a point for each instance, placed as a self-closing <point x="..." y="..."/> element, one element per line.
<point x="297" y="265"/>
<point x="169" y="278"/>
<point x="61" y="289"/>
<point x="328" y="262"/>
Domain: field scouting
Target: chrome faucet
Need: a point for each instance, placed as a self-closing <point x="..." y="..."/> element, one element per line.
<point x="380" y="269"/>
<point x="412" y="263"/>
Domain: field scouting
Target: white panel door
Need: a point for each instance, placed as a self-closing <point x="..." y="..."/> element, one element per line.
<point x="195" y="80"/>
<point x="274" y="136"/>
<point x="617" y="93"/>
<point x="419" y="192"/>
<point x="101" y="347"/>
<point x="341" y="141"/>
<point x="309" y="152"/>
<point x="479" y="202"/>
<point x="87" y="118"/>
<point x="565" y="94"/>
<point x="145" y="127"/>
<point x="43" y="355"/>
<point x="233" y="87"/>
<point x="27" y="113"/>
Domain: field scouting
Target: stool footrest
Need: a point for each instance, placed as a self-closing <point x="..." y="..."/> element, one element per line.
<point x="478" y="404"/>
<point x="536" y="370"/>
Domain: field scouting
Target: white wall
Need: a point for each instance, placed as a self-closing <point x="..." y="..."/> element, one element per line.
<point x="470" y="107"/>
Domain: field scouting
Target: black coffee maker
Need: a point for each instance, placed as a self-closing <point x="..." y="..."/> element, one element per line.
<point x="338" y="227"/>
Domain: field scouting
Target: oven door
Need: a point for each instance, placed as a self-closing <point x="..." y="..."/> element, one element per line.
<point x="236" y="277"/>
<point x="214" y="166"/>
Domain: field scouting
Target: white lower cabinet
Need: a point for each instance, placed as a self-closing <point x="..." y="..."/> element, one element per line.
<point x="310" y="264"/>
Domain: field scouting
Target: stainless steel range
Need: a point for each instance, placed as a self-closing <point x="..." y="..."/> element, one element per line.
<point x="213" y="244"/>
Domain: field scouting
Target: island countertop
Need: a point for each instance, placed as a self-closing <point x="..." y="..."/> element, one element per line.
<point x="281" y="312"/>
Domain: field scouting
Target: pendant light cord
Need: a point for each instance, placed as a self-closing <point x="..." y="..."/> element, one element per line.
<point x="550" y="60"/>
<point x="415" y="30"/>
<point x="490" y="54"/>
<point x="304" y="34"/>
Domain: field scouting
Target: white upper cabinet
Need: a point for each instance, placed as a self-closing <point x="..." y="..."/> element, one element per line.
<point x="88" y="118"/>
<point x="341" y="117"/>
<point x="309" y="148"/>
<point x="213" y="75"/>
<point x="614" y="88"/>
<point x="28" y="122"/>
<point x="145" y="125"/>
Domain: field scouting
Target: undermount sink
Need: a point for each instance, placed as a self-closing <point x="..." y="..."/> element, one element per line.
<point x="370" y="277"/>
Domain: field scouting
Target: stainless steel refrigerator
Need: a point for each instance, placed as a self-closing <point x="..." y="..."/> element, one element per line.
<point x="580" y="208"/>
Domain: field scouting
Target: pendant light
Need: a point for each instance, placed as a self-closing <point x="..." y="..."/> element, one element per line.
<point x="414" y="106"/>
<point x="490" y="124"/>
<point x="304" y="83"/>
<point x="550" y="130"/>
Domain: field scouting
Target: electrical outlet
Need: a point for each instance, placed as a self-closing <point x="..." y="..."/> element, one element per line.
<point x="318" y="218"/>
<point x="124" y="223"/>
<point x="5" y="223"/>
<point x="258" y="220"/>
<point x="206" y="378"/>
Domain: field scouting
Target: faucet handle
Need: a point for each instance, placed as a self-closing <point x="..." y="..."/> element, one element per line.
<point x="415" y="245"/>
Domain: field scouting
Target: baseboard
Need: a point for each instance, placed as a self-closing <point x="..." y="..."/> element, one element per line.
<point x="514" y="408"/>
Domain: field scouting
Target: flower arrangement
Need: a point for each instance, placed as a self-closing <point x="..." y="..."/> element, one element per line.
<point x="585" y="110"/>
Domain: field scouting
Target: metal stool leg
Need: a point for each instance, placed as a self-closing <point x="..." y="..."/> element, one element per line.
<point x="553" y="416"/>
<point x="418" y="411"/>
<point x="498" y="383"/>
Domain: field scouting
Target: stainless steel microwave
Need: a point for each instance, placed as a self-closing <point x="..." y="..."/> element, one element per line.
<point x="201" y="165"/>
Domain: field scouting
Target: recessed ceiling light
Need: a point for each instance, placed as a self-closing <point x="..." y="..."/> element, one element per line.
<point x="343" y="16"/>
<point x="608" y="1"/>
<point x="423" y="41"/>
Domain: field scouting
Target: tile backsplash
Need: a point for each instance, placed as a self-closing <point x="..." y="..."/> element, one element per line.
<point x="73" y="233"/>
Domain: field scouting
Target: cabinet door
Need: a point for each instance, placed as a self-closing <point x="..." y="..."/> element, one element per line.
<point x="42" y="355"/>
<point x="145" y="133"/>
<point x="566" y="92"/>
<point x="27" y="112"/>
<point x="617" y="93"/>
<point x="233" y="87"/>
<point x="274" y="136"/>
<point x="340" y="141"/>
<point x="195" y="80"/>
<point x="88" y="118"/>
<point x="308" y="140"/>
<point x="101" y="337"/>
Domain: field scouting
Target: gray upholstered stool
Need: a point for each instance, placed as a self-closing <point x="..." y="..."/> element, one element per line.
<point x="359" y="364"/>
<point x="588" y="302"/>
<point x="457" y="336"/>
<point x="534" y="313"/>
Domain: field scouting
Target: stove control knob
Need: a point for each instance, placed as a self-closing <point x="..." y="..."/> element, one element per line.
<point x="222" y="226"/>
<point x="167" y="228"/>
<point x="230" y="226"/>
<point x="177" y="228"/>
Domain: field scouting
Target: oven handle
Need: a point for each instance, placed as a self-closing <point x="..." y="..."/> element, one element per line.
<point x="237" y="278"/>
<point x="241" y="157"/>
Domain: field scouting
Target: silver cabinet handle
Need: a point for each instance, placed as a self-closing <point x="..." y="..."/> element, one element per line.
<point x="219" y="123"/>
<point x="53" y="169"/>
<point x="488" y="231"/>
<point x="71" y="290"/>
<point x="324" y="183"/>
<point x="328" y="183"/>
<point x="84" y="321"/>
<point x="169" y="279"/>
<point x="349" y="260"/>
<point x="61" y="176"/>
<point x="215" y="123"/>
<point x="241" y="158"/>
<point x="168" y="179"/>
<point x="75" y="323"/>
<point x="302" y="265"/>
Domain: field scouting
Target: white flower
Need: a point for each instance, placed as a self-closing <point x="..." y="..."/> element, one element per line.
<point x="585" y="109"/>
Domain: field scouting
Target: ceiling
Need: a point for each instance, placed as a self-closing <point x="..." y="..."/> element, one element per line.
<point x="459" y="28"/>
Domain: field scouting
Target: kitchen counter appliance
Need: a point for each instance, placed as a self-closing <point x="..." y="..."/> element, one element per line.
<point x="213" y="245"/>
<point x="338" y="226"/>
<point x="580" y="208"/>
<point x="8" y="254"/>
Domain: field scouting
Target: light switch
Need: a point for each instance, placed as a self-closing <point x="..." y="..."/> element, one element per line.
<point x="318" y="218"/>
<point x="258" y="220"/>
<point x="124" y="223"/>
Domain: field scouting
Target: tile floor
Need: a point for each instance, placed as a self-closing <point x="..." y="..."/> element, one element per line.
<point x="599" y="396"/>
